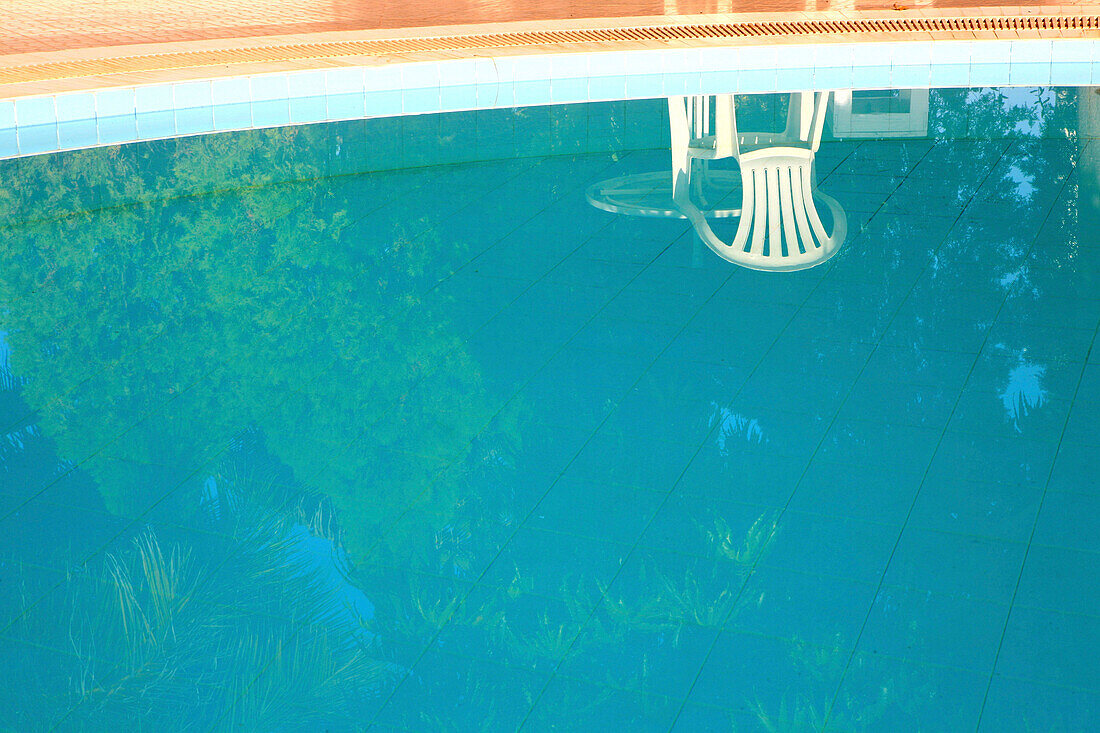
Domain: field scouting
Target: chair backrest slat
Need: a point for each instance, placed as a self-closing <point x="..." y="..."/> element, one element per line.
<point x="787" y="199"/>
<point x="805" y="233"/>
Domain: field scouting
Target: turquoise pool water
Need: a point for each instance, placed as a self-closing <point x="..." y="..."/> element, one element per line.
<point x="381" y="425"/>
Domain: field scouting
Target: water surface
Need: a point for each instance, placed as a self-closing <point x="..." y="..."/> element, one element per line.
<point x="381" y="424"/>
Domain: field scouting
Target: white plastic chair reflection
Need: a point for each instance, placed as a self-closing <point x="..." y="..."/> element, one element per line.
<point x="779" y="227"/>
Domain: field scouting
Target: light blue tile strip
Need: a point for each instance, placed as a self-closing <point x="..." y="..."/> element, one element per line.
<point x="42" y="124"/>
<point x="35" y="111"/>
<point x="270" y="100"/>
<point x="1073" y="62"/>
<point x="9" y="145"/>
<point x="75" y="107"/>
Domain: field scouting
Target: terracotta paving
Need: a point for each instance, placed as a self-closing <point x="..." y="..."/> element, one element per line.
<point x="32" y="26"/>
<point x="49" y="46"/>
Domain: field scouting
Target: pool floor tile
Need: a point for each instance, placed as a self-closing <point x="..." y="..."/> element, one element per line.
<point x="669" y="588"/>
<point x="856" y="492"/>
<point x="1075" y="468"/>
<point x="578" y="270"/>
<point x="718" y="383"/>
<point x="615" y="457"/>
<point x="36" y="666"/>
<point x="540" y="452"/>
<point x="604" y="512"/>
<point x="823" y="353"/>
<point x="843" y="548"/>
<point x="761" y="287"/>
<point x="892" y="446"/>
<point x="1042" y="343"/>
<point x="930" y="627"/>
<point x="941" y="295"/>
<point x="664" y="660"/>
<point x="742" y="470"/>
<point x="1053" y="648"/>
<point x="450" y="691"/>
<point x="711" y="528"/>
<point x="741" y="351"/>
<point x="1018" y="412"/>
<point x="1068" y="520"/>
<point x="1017" y="705"/>
<point x="961" y="565"/>
<point x="862" y="293"/>
<point x="26" y="588"/>
<point x="671" y="422"/>
<point x="629" y="338"/>
<point x="802" y="608"/>
<point x="882" y="694"/>
<point x="565" y="702"/>
<point x="668" y="309"/>
<point x="696" y="718"/>
<point x="910" y="364"/>
<point x="1051" y="310"/>
<point x="1008" y="461"/>
<point x="860" y="325"/>
<point x="1083" y="425"/>
<point x="562" y="406"/>
<point x="1003" y="512"/>
<point x="555" y="565"/>
<point x="1089" y="391"/>
<point x="770" y="677"/>
<point x="730" y="317"/>
<point x="1058" y="579"/>
<point x="901" y="404"/>
<point x="949" y="332"/>
<point x="568" y="380"/>
<point x="681" y="280"/>
<point x="611" y="246"/>
<point x="816" y="395"/>
<point x="518" y="630"/>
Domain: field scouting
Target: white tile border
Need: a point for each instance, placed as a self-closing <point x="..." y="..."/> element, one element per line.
<point x="302" y="97"/>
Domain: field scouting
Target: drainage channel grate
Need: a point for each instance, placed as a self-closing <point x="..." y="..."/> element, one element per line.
<point x="305" y="51"/>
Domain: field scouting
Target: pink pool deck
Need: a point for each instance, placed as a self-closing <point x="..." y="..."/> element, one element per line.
<point x="33" y="26"/>
<point x="51" y="46"/>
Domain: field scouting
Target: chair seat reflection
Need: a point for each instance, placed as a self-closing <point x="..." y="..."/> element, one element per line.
<point x="779" y="227"/>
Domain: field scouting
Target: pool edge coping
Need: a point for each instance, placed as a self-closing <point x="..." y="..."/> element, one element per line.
<point x="96" y="110"/>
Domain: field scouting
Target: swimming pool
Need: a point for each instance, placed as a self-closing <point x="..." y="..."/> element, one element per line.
<point x="381" y="423"/>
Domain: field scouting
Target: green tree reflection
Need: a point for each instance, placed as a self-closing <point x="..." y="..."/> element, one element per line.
<point x="278" y="304"/>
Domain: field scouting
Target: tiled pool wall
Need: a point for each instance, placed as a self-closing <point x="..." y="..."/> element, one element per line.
<point x="48" y="123"/>
<point x="360" y="146"/>
<point x="349" y="148"/>
<point x="355" y="147"/>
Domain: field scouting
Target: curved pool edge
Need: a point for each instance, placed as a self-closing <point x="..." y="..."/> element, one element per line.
<point x="345" y="76"/>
